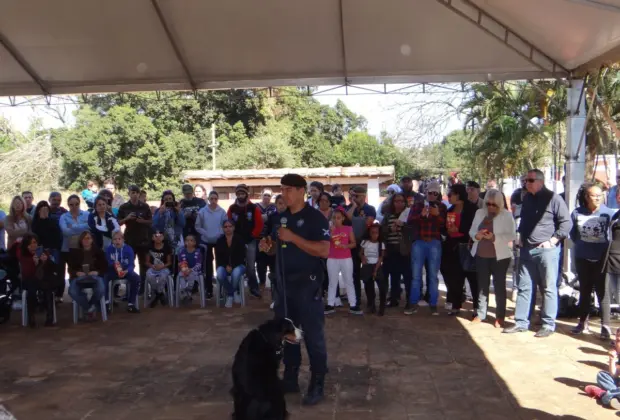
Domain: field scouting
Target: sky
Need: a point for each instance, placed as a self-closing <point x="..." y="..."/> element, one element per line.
<point x="393" y="113"/>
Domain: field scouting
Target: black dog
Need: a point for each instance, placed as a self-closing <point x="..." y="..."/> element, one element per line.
<point x="257" y="391"/>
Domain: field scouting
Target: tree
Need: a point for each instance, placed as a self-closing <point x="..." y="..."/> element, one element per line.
<point x="269" y="149"/>
<point x="124" y="145"/>
<point x="29" y="161"/>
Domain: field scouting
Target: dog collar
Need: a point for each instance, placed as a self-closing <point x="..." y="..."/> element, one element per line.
<point x="279" y="350"/>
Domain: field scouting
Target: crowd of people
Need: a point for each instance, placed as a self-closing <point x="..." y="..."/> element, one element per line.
<point x="466" y="236"/>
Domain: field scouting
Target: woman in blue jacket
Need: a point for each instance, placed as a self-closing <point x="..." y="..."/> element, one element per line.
<point x="170" y="220"/>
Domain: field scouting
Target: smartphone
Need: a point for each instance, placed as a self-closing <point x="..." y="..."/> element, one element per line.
<point x="170" y="204"/>
<point x="39" y="251"/>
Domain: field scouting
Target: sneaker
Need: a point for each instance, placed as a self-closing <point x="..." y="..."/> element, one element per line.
<point x="411" y="309"/>
<point x="448" y="306"/>
<point x="237" y="298"/>
<point x="229" y="302"/>
<point x="580" y="329"/>
<point x="355" y="310"/>
<point x="209" y="295"/>
<point x="434" y="311"/>
<point x="272" y="305"/>
<point x="393" y="304"/>
<point x="422" y="303"/>
<point x="344" y="298"/>
<point x="337" y="302"/>
<point x="132" y="309"/>
<point x="256" y="293"/>
<point x="329" y="310"/>
<point x="605" y="333"/>
<point x="162" y="299"/>
<point x="59" y="300"/>
<point x="454" y="312"/>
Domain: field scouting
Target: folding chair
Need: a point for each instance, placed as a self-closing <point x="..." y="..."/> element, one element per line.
<point x="170" y="296"/>
<point x="25" y="307"/>
<point x="111" y="290"/>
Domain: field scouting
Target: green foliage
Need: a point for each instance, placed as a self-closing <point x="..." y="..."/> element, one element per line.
<point x="269" y="149"/>
<point x="148" y="139"/>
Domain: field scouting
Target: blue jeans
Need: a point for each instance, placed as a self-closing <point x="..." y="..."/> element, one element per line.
<point x="250" y="262"/>
<point x="422" y="252"/>
<point x="76" y="291"/>
<point x="538" y="268"/>
<point x="235" y="277"/>
<point x="133" y="285"/>
<point x="609" y="384"/>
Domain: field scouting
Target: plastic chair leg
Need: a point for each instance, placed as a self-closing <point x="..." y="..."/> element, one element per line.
<point x="203" y="292"/>
<point x="104" y="310"/>
<point x="24" y="308"/>
<point x="76" y="312"/>
<point x="54" y="306"/>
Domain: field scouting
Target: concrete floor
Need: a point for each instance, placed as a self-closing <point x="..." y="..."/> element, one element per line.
<point x="175" y="364"/>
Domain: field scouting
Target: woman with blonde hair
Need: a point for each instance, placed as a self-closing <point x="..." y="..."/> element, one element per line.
<point x="18" y="222"/>
<point x="492" y="231"/>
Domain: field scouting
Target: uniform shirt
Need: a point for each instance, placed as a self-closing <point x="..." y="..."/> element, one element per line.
<point x="311" y="225"/>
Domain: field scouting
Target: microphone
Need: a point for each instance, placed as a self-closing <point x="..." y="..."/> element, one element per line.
<point x="283" y="224"/>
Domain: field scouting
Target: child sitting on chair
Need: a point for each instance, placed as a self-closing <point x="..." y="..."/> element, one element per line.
<point x="120" y="258"/>
<point x="158" y="261"/>
<point x="608" y="389"/>
<point x="190" y="268"/>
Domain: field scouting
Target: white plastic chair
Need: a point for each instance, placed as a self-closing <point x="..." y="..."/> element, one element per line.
<point x="25" y="307"/>
<point x="201" y="289"/>
<point x="170" y="295"/>
<point x="220" y="293"/>
<point x="77" y="311"/>
<point x="111" y="291"/>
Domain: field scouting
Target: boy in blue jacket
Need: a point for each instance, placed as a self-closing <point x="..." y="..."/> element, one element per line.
<point x="120" y="259"/>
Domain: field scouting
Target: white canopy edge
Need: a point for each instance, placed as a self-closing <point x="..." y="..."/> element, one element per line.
<point x="91" y="46"/>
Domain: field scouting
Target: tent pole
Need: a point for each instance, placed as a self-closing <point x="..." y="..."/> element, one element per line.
<point x="575" y="155"/>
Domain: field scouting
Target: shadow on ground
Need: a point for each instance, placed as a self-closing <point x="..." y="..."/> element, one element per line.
<point x="175" y="364"/>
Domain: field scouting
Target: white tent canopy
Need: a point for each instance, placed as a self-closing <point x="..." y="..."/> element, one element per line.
<point x="83" y="46"/>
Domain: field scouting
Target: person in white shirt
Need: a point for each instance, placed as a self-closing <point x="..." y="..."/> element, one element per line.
<point x="372" y="249"/>
<point x="492" y="231"/>
<point x="315" y="190"/>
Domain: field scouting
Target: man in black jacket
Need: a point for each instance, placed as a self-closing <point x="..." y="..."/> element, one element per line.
<point x="248" y="221"/>
<point x="545" y="222"/>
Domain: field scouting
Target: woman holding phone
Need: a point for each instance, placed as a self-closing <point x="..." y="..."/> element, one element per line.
<point x="492" y="231"/>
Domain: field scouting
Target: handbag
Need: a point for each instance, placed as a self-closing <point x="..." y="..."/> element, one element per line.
<point x="468" y="262"/>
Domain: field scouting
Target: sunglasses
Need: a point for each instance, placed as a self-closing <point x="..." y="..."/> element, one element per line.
<point x="531" y="180"/>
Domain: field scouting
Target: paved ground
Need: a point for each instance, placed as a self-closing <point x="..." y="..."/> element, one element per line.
<point x="175" y="364"/>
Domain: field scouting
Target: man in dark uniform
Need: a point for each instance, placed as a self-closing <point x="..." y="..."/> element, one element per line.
<point x="303" y="234"/>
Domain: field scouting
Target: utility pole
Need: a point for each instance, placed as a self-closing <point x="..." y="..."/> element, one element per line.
<point x="213" y="143"/>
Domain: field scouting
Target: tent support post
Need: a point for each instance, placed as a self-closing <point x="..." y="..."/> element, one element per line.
<point x="545" y="63"/>
<point x="173" y="44"/>
<point x="23" y="63"/>
<point x="343" y="46"/>
<point x="575" y="156"/>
